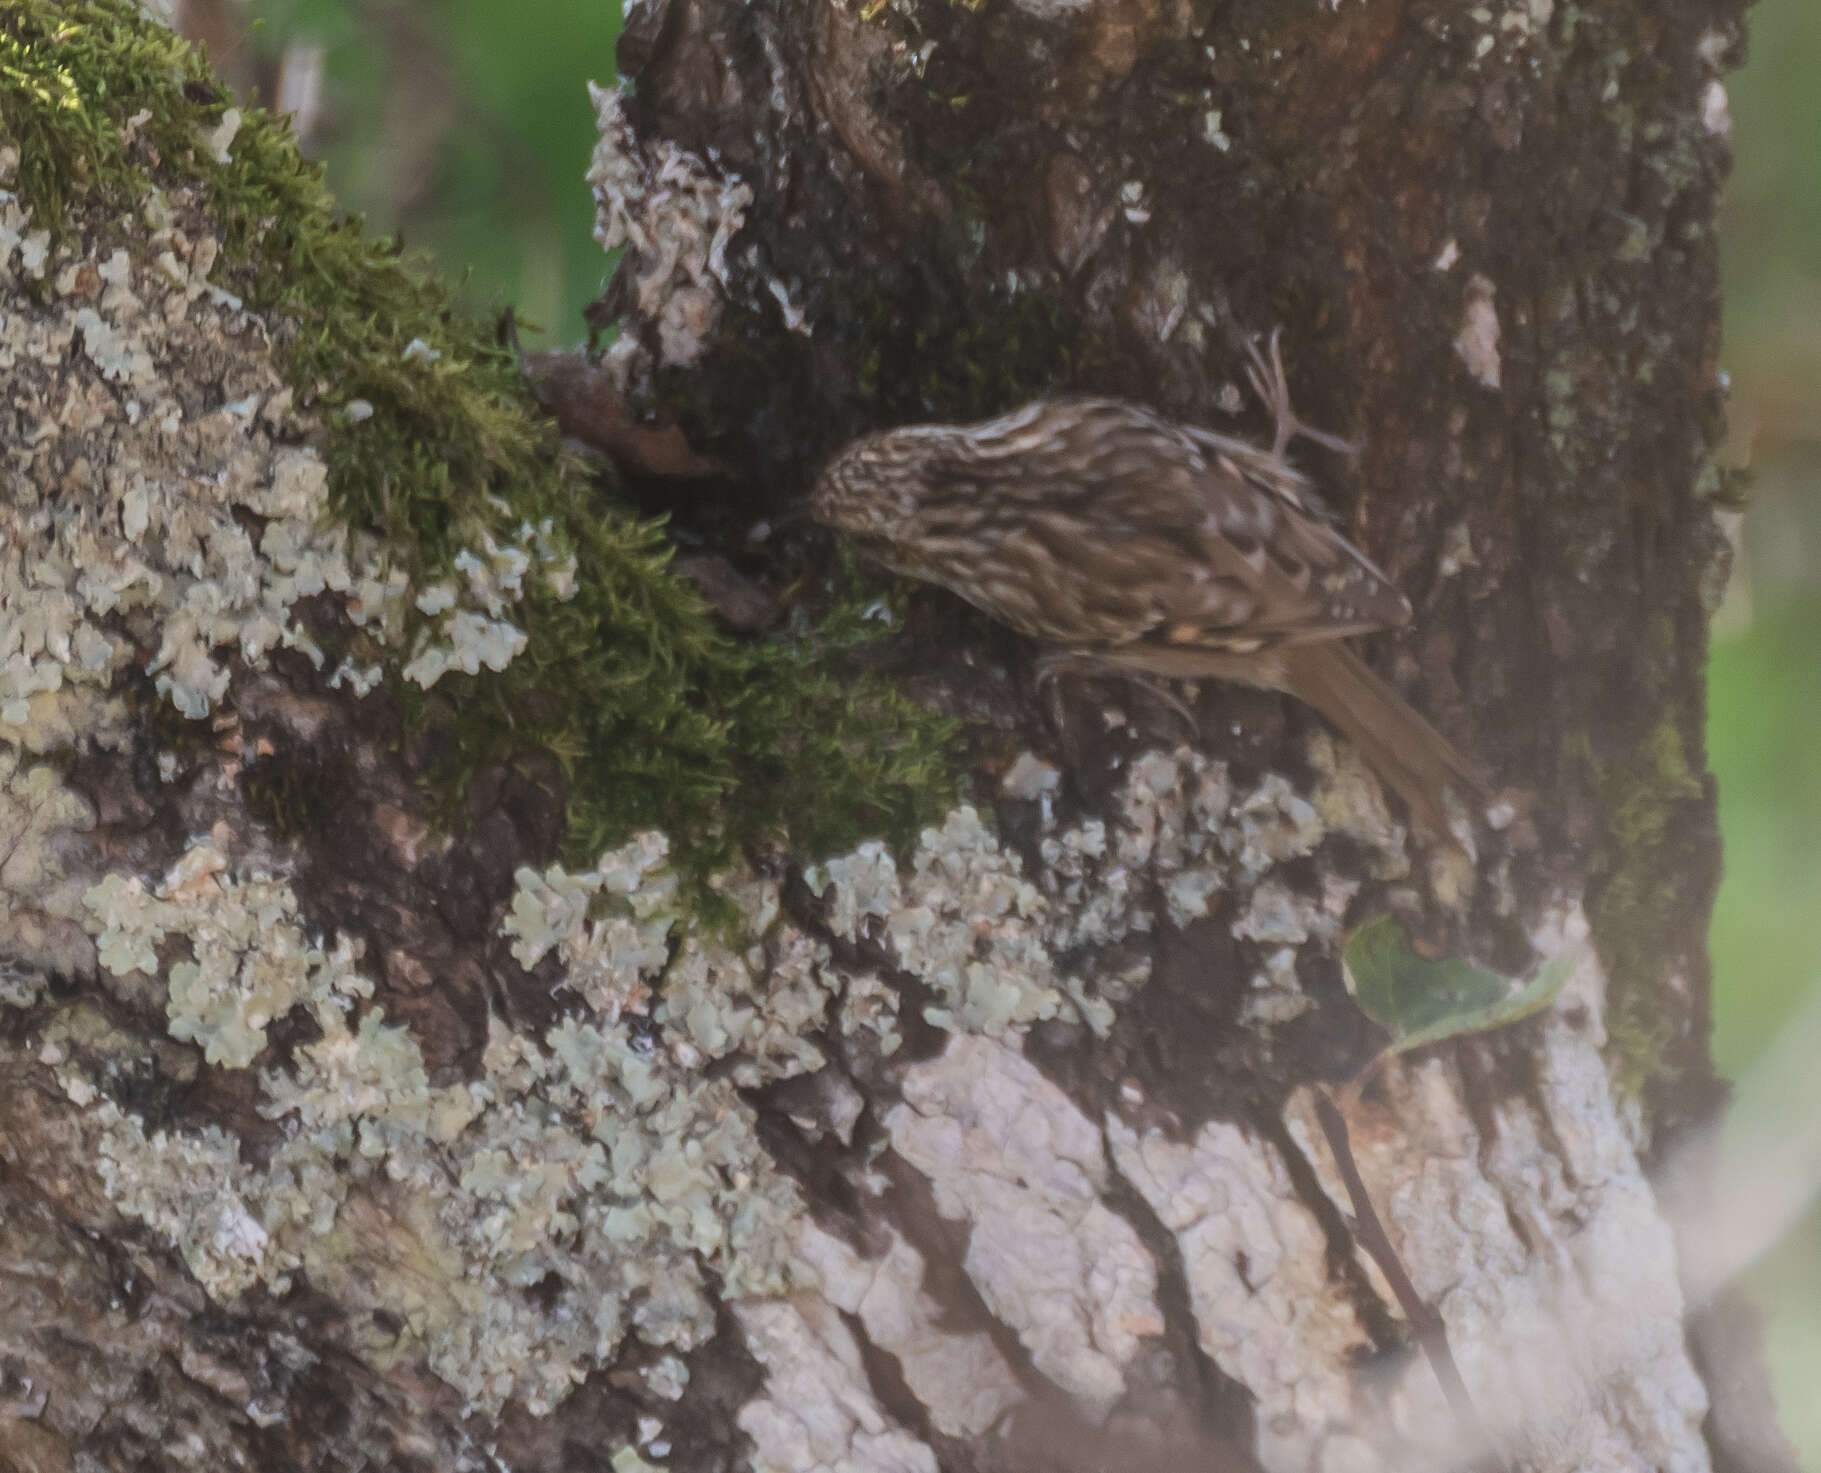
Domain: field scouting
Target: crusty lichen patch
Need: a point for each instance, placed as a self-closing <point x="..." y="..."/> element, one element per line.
<point x="965" y="921"/>
<point x="1181" y="844"/>
<point x="41" y="822"/>
<point x="597" y="1166"/>
<point x="167" y="514"/>
<point x="675" y="218"/>
<point x="749" y="998"/>
<point x="1177" y="845"/>
<point x="121" y="545"/>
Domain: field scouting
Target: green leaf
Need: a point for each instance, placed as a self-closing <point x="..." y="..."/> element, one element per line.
<point x="1423" y="1001"/>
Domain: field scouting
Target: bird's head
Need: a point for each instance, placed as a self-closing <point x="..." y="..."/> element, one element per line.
<point x="873" y="488"/>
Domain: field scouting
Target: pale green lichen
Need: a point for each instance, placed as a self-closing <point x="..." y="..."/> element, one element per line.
<point x="131" y="922"/>
<point x="675" y="219"/>
<point x="1348" y="800"/>
<point x="1271" y="825"/>
<point x="474" y="631"/>
<point x="1277" y="915"/>
<point x="610" y="926"/>
<point x="1275" y="994"/>
<point x="118" y="540"/>
<point x="114" y="523"/>
<point x="190" y="1186"/>
<point x="40" y="930"/>
<point x="1095" y="893"/>
<point x="1179" y="845"/>
<point x="758" y="1008"/>
<point x="249" y="962"/>
<point x="598" y="1167"/>
<point x="1165" y="833"/>
<point x="965" y="922"/>
<point x="668" y="1377"/>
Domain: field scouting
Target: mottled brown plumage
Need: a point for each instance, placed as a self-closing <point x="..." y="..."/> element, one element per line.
<point x="1126" y="538"/>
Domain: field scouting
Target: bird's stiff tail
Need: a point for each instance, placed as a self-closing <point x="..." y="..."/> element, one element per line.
<point x="1403" y="749"/>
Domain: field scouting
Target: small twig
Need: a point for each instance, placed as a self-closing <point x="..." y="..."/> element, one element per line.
<point x="1431" y="1333"/>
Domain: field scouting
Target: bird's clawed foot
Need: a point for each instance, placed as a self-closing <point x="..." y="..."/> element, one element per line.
<point x="1269" y="382"/>
<point x="1054" y="665"/>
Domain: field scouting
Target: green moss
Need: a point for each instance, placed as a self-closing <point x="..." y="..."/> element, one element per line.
<point x="289" y="796"/>
<point x="1636" y="908"/>
<point x="657" y="717"/>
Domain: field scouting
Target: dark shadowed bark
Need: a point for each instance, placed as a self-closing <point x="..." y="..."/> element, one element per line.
<point x="1489" y="242"/>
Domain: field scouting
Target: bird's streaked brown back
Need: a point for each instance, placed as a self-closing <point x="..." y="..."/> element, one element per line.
<point x="1098" y="525"/>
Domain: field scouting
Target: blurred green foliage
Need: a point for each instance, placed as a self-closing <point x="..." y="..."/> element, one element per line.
<point x="1764" y="692"/>
<point x="1764" y="713"/>
<point x="467" y="126"/>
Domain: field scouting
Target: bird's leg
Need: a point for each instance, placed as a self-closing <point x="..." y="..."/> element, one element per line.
<point x="1054" y="664"/>
<point x="1272" y="386"/>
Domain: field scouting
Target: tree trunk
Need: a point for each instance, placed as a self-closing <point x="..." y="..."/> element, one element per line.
<point x="388" y="1082"/>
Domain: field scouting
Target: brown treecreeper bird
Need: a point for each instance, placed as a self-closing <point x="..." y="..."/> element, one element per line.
<point x="1126" y="539"/>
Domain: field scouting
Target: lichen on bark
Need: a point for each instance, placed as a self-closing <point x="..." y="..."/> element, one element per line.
<point x="784" y="1131"/>
<point x="468" y="511"/>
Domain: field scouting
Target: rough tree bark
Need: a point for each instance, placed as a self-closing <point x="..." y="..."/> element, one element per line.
<point x="342" y="1126"/>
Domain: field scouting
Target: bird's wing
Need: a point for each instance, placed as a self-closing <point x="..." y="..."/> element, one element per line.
<point x="1200" y="540"/>
<point x="1095" y="523"/>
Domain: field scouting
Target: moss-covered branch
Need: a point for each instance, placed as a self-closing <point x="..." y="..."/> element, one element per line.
<point x="435" y="448"/>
